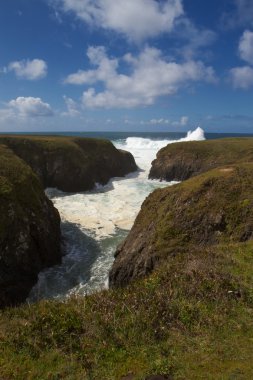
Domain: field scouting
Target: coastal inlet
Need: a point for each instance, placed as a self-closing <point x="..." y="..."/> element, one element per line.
<point x="94" y="223"/>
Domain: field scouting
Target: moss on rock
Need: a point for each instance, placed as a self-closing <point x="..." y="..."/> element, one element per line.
<point x="29" y="229"/>
<point x="69" y="163"/>
<point x="212" y="208"/>
<point x="183" y="160"/>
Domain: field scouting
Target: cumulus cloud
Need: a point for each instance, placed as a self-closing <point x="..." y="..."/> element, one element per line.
<point x="29" y="69"/>
<point x="137" y="20"/>
<point x="242" y="77"/>
<point x="246" y="46"/>
<point x="72" y="107"/>
<point x="151" y="76"/>
<point x="30" y="107"/>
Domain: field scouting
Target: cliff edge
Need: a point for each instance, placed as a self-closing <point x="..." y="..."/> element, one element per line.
<point x="213" y="208"/>
<point x="180" y="161"/>
<point x="71" y="164"/>
<point x="30" y="237"/>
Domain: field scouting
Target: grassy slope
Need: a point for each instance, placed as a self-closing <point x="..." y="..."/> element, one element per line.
<point x="18" y="186"/>
<point x="71" y="163"/>
<point x="225" y="151"/>
<point x="192" y="319"/>
<point x="214" y="207"/>
<point x="183" y="160"/>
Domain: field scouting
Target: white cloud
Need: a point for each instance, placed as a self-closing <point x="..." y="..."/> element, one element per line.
<point x="246" y="46"/>
<point x="242" y="77"/>
<point x="30" y="107"/>
<point x="159" y="121"/>
<point x="29" y="69"/>
<point x="184" y="120"/>
<point x="72" y="107"/>
<point x="6" y="114"/>
<point x="106" y="68"/>
<point x="137" y="20"/>
<point x="151" y="76"/>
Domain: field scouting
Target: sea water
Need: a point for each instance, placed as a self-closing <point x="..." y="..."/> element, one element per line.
<point x="95" y="222"/>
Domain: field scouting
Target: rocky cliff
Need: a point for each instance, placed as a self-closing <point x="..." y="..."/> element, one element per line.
<point x="30" y="225"/>
<point x="71" y="164"/>
<point x="29" y="229"/>
<point x="183" y="160"/>
<point x="213" y="208"/>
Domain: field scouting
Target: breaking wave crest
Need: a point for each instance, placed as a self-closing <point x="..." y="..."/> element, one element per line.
<point x="135" y="143"/>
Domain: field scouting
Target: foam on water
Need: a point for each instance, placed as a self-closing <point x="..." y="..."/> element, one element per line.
<point x="95" y="222"/>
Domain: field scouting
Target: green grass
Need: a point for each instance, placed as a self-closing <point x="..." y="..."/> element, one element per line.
<point x="192" y="318"/>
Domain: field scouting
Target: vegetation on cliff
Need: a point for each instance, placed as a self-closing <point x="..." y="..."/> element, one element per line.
<point x="186" y="159"/>
<point x="30" y="225"/>
<point x="191" y="319"/>
<point x="214" y="207"/>
<point x="29" y="229"/>
<point x="187" y="315"/>
<point x="70" y="163"/>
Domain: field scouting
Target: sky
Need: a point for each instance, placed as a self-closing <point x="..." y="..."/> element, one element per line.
<point x="126" y="65"/>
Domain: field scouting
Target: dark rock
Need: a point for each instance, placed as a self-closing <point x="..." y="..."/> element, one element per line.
<point x="30" y="237"/>
<point x="71" y="164"/>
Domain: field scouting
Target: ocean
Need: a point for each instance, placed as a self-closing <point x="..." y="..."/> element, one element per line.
<point x="95" y="222"/>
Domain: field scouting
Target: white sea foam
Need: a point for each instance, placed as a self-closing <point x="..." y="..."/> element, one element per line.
<point x="95" y="222"/>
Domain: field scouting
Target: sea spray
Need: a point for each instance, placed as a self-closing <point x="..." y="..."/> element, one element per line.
<point x="95" y="222"/>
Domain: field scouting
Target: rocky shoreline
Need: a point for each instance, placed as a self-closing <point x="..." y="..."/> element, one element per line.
<point x="213" y="207"/>
<point x="178" y="162"/>
<point x="180" y="304"/>
<point x="30" y="236"/>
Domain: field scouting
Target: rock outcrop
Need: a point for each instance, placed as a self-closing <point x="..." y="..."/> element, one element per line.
<point x="180" y="161"/>
<point x="213" y="208"/>
<point x="71" y="164"/>
<point x="30" y="237"/>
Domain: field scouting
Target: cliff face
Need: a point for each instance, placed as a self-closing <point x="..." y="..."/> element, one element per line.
<point x="30" y="225"/>
<point x="29" y="229"/>
<point x="213" y="208"/>
<point x="71" y="164"/>
<point x="181" y="161"/>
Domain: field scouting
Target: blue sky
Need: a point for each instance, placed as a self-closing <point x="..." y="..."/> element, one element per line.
<point x="138" y="65"/>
